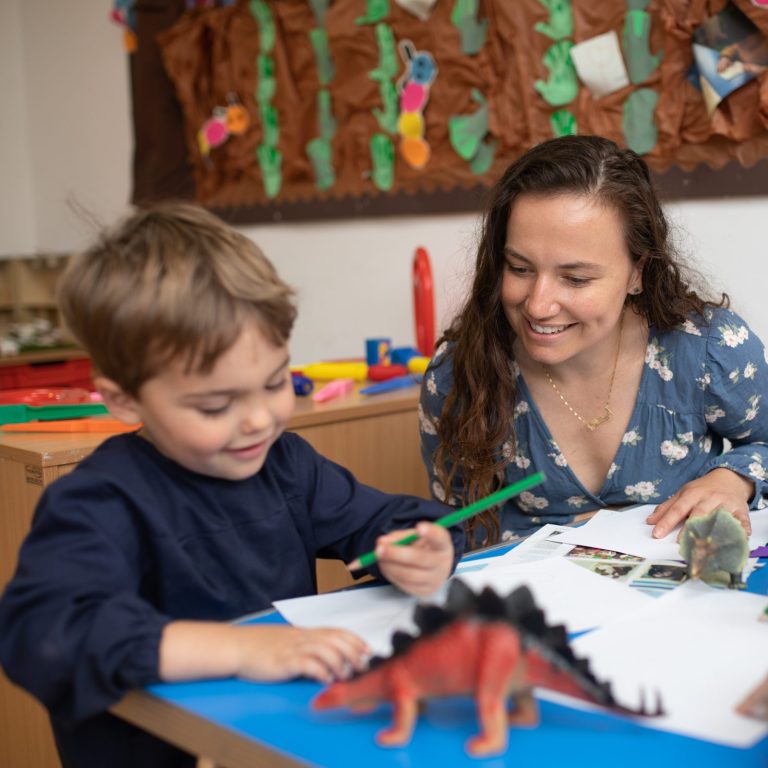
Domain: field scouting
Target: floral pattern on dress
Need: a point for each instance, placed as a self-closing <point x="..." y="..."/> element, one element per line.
<point x="643" y="491"/>
<point x="632" y="437"/>
<point x="658" y="359"/>
<point x="556" y="455"/>
<point x="733" y="335"/>
<point x="529" y="501"/>
<point x="690" y="327"/>
<point x="431" y="384"/>
<point x="576" y="501"/>
<point x="426" y="424"/>
<point x="520" y="409"/>
<point x="677" y="449"/>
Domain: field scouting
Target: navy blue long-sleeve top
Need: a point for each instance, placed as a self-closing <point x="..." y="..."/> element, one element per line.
<point x="130" y="541"/>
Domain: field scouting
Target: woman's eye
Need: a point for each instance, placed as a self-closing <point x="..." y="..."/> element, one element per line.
<point x="515" y="269"/>
<point x="577" y="281"/>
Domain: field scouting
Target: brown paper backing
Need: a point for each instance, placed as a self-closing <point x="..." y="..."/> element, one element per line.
<point x="188" y="61"/>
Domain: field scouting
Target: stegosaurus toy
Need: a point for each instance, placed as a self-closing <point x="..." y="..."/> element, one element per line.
<point x="483" y="645"/>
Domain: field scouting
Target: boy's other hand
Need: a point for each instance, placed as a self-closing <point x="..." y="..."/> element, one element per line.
<point x="190" y="650"/>
<point x="419" y="568"/>
<point x="281" y="653"/>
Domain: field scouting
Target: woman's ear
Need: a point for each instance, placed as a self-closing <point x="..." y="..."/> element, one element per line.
<point x="120" y="404"/>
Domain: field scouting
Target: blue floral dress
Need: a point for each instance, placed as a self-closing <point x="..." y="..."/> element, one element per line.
<point x="702" y="384"/>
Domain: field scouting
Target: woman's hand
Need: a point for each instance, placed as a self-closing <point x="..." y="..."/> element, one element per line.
<point x="419" y="568"/>
<point x="719" y="488"/>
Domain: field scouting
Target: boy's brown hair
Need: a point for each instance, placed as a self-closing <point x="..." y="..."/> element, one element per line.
<point x="170" y="281"/>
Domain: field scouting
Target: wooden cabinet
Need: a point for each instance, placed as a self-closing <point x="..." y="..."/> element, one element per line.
<point x="375" y="437"/>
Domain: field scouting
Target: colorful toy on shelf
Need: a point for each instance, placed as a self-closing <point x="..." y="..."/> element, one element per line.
<point x="715" y="544"/>
<point x="377" y="351"/>
<point x="302" y="385"/>
<point x="385" y="372"/>
<point x="339" y="370"/>
<point x="399" y="382"/>
<point x="45" y="396"/>
<point x="418" y="365"/>
<point x="423" y="303"/>
<point x="20" y="413"/>
<point x="334" y="389"/>
<point x="96" y="425"/>
<point x="485" y="645"/>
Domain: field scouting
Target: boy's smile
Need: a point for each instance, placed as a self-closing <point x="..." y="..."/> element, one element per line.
<point x="221" y="423"/>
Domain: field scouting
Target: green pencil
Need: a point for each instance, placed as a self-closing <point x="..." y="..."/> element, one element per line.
<point x="459" y="515"/>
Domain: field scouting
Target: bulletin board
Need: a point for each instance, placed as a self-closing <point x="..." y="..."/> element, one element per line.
<point x="268" y="110"/>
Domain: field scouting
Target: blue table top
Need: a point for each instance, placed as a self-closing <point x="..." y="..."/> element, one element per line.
<point x="279" y="717"/>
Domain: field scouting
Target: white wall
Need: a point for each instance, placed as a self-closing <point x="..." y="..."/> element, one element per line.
<point x="63" y="71"/>
<point x="17" y="228"/>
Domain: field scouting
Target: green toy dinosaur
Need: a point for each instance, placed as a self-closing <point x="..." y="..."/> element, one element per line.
<point x="483" y="645"/>
<point x="715" y="543"/>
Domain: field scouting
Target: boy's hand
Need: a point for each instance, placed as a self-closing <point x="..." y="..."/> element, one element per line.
<point x="280" y="653"/>
<point x="191" y="650"/>
<point x="719" y="488"/>
<point x="419" y="568"/>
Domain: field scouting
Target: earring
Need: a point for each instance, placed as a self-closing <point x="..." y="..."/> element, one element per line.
<point x="635" y="291"/>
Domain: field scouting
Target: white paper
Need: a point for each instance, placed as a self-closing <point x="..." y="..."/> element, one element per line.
<point x="702" y="649"/>
<point x="626" y="531"/>
<point x="567" y="593"/>
<point x="599" y="64"/>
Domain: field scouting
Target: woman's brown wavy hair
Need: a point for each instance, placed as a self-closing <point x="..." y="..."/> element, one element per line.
<point x="477" y="417"/>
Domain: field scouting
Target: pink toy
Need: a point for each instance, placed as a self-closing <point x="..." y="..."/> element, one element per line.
<point x="336" y="388"/>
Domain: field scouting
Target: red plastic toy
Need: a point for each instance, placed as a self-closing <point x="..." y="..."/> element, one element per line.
<point x="423" y="303"/>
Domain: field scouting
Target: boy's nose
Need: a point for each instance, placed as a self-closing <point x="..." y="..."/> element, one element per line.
<point x="258" y="418"/>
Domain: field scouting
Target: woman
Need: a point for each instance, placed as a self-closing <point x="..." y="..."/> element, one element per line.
<point x="585" y="351"/>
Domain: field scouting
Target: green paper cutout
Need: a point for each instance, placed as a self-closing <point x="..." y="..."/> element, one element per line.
<point x="467" y="131"/>
<point x="562" y="84"/>
<point x="270" y="127"/>
<point x="472" y="31"/>
<point x="634" y="42"/>
<point x="563" y="123"/>
<point x="560" y="24"/>
<point x="265" y="79"/>
<point x="319" y="151"/>
<point x="260" y="11"/>
<point x="270" y="162"/>
<point x="383" y="157"/>
<point x="639" y="128"/>
<point x="375" y="10"/>
<point x="319" y="8"/>
<point x="387" y="117"/>
<point x="637" y="5"/>
<point x="388" y="65"/>
<point x="482" y="160"/>
<point x="325" y="120"/>
<point x="325" y="68"/>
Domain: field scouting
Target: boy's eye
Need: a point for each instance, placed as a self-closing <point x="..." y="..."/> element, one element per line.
<point x="277" y="385"/>
<point x="213" y="410"/>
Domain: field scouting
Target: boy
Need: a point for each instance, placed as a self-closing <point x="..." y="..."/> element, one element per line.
<point x="138" y="558"/>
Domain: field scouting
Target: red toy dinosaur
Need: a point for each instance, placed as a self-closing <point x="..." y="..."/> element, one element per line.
<point x="483" y="645"/>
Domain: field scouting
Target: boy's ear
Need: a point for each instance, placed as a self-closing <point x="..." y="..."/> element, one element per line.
<point x="120" y="404"/>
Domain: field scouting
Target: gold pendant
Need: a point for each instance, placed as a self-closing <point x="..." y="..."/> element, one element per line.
<point x="598" y="420"/>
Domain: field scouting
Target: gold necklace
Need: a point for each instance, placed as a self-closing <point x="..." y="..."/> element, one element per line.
<point x="592" y="424"/>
